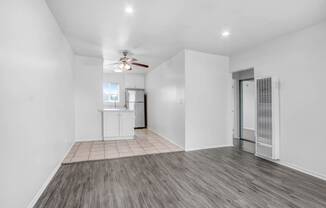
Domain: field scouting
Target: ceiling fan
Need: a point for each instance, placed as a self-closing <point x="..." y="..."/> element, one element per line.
<point x="126" y="62"/>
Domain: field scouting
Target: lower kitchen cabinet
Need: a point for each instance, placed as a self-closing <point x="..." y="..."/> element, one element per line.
<point x="127" y="124"/>
<point x="118" y="124"/>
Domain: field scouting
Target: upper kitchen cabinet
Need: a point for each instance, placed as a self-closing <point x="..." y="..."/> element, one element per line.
<point x="135" y="81"/>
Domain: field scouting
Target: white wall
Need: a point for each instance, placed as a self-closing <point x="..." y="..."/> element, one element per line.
<point x="189" y="100"/>
<point x="88" y="74"/>
<point x="135" y="81"/>
<point x="299" y="61"/>
<point x="248" y="99"/>
<point x="36" y="108"/>
<point x="165" y="99"/>
<point x="208" y="113"/>
<point x="88" y="83"/>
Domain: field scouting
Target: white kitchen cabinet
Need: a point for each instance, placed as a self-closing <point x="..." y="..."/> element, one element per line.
<point x="127" y="124"/>
<point x="111" y="124"/>
<point x="118" y="124"/>
<point x="135" y="81"/>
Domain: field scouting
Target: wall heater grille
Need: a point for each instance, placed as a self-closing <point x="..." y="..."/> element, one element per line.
<point x="267" y="111"/>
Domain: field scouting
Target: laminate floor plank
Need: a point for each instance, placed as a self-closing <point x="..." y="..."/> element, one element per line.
<point x="221" y="177"/>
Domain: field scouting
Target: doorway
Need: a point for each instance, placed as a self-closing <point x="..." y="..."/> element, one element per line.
<point x="244" y="110"/>
<point x="247" y="114"/>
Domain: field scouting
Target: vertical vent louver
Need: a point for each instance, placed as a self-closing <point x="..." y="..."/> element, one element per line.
<point x="267" y="106"/>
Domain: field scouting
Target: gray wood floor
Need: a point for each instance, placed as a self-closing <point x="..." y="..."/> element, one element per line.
<point x="223" y="177"/>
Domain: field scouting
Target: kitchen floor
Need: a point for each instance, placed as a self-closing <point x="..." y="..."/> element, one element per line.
<point x="145" y="142"/>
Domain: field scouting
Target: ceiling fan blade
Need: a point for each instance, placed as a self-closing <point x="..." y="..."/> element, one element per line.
<point x="141" y="65"/>
<point x="128" y="59"/>
<point x="111" y="64"/>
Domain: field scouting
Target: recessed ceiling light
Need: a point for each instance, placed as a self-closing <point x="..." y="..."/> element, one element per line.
<point x="225" y="33"/>
<point x="129" y="9"/>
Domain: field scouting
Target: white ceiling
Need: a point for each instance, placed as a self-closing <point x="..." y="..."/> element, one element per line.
<point x="158" y="29"/>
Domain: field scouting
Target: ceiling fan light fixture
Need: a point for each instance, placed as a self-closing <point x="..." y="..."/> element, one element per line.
<point x="127" y="67"/>
<point x="225" y="33"/>
<point x="129" y="9"/>
<point x="125" y="63"/>
<point x="124" y="66"/>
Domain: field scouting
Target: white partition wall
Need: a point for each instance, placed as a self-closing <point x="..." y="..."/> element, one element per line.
<point x="88" y="75"/>
<point x="189" y="100"/>
<point x="208" y="107"/>
<point x="165" y="87"/>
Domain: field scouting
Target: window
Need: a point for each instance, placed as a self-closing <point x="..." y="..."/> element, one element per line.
<point x="111" y="92"/>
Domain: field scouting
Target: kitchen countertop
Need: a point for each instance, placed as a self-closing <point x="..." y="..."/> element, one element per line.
<point x="115" y="110"/>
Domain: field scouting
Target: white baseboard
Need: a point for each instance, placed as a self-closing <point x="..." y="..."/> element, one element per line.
<point x="164" y="137"/>
<point x="105" y="139"/>
<point x="248" y="128"/>
<point x="295" y="167"/>
<point x="208" y="147"/>
<point x="47" y="181"/>
<point x="118" y="138"/>
<point x="189" y="149"/>
<point x="289" y="165"/>
<point x="87" y="140"/>
<point x="303" y="170"/>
